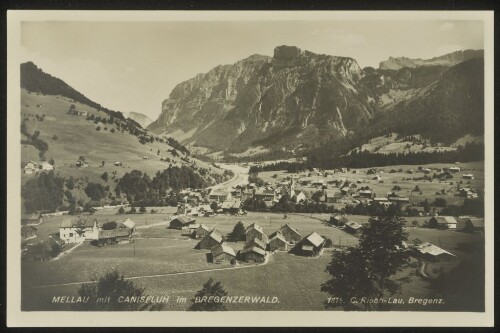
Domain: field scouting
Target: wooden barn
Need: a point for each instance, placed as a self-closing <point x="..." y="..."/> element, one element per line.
<point x="290" y="234"/>
<point x="353" y="228"/>
<point x="338" y="220"/>
<point x="28" y="232"/>
<point x="222" y="253"/>
<point x="255" y="242"/>
<point x="310" y="245"/>
<point x="181" y="222"/>
<point x="432" y="252"/>
<point x="278" y="242"/>
<point x="443" y="222"/>
<point x="212" y="239"/>
<point x="114" y="236"/>
<point x="255" y="231"/>
<point x="253" y="254"/>
<point x="200" y="232"/>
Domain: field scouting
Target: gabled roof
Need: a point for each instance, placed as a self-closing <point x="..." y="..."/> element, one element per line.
<point x="278" y="235"/>
<point x="287" y="226"/>
<point x="203" y="227"/>
<point x="183" y="220"/>
<point x="256" y="227"/>
<point x="254" y="249"/>
<point x="219" y="193"/>
<point x="428" y="248"/>
<point x="129" y="223"/>
<point x="445" y="219"/>
<point x="315" y="239"/>
<point x="353" y="225"/>
<point x="254" y="242"/>
<point x="214" y="234"/>
<point x="223" y="248"/>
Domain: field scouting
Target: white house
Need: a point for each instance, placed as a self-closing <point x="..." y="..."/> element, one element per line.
<point x="46" y="166"/>
<point x="80" y="230"/>
<point x="31" y="168"/>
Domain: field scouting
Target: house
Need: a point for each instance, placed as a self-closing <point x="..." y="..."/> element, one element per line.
<point x="353" y="227"/>
<point x="338" y="220"/>
<point x="118" y="163"/>
<point x="31" y="219"/>
<point x="426" y="170"/>
<point x="31" y="168"/>
<point x="377" y="177"/>
<point x="470" y="224"/>
<point x="219" y="196"/>
<point x="46" y="166"/>
<point x="366" y="193"/>
<point x="118" y="235"/>
<point x="231" y="207"/>
<point x="255" y="243"/>
<point x="181" y="222"/>
<point x="28" y="232"/>
<point x="265" y="194"/>
<point x="432" y="252"/>
<point x="371" y="171"/>
<point x="310" y="245"/>
<point x="398" y="199"/>
<point x="410" y="171"/>
<point x="290" y="234"/>
<point x="298" y="196"/>
<point x="443" y="222"/>
<point x="468" y="193"/>
<point x="210" y="240"/>
<point x="255" y="231"/>
<point x="129" y="224"/>
<point x="222" y="253"/>
<point x="253" y="254"/>
<point x="468" y="176"/>
<point x="454" y="169"/>
<point x="332" y="195"/>
<point x="83" y="229"/>
<point x="81" y="164"/>
<point x="200" y="232"/>
<point x="278" y="242"/>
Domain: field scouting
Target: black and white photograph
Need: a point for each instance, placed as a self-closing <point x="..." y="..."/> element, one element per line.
<point x="216" y="164"/>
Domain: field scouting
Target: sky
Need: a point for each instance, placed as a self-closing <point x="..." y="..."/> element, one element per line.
<point x="133" y="66"/>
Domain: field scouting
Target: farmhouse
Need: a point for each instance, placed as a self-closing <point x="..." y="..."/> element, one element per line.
<point x="338" y="220"/>
<point x="222" y="253"/>
<point x="31" y="168"/>
<point x="31" y="220"/>
<point x="231" y="207"/>
<point x="28" y="232"/>
<point x="253" y="254"/>
<point x="219" y="196"/>
<point x="210" y="240"/>
<point x="46" y="166"/>
<point x="290" y="234"/>
<point x="454" y="169"/>
<point x="181" y="222"/>
<point x="332" y="195"/>
<point x="470" y="224"/>
<point x="367" y="193"/>
<point x="118" y="163"/>
<point x="81" y="164"/>
<point x="278" y="242"/>
<point x="114" y="236"/>
<point x="78" y="231"/>
<point x="353" y="228"/>
<point x="265" y="194"/>
<point x="432" y="252"/>
<point x="468" y="176"/>
<point x="200" y="232"/>
<point x="255" y="243"/>
<point x="255" y="231"/>
<point x="310" y="245"/>
<point x="443" y="222"/>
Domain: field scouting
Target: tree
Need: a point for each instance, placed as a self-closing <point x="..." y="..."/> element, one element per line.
<point x="317" y="196"/>
<point x="414" y="223"/>
<point x="52" y="162"/>
<point x="238" y="233"/>
<point x="210" y="289"/>
<point x="426" y="205"/>
<point x="95" y="191"/>
<point x="416" y="189"/>
<point x="440" y="202"/>
<point x="55" y="250"/>
<point x="368" y="269"/>
<point x="109" y="225"/>
<point x="102" y="163"/>
<point x="121" y="210"/>
<point x="113" y="285"/>
<point x="105" y="176"/>
<point x="214" y="205"/>
<point x="142" y="209"/>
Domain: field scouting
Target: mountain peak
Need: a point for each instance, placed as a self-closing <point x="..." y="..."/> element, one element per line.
<point x="448" y="59"/>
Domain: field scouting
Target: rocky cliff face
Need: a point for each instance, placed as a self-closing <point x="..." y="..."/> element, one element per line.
<point x="289" y="99"/>
<point x="449" y="59"/>
<point x="297" y="99"/>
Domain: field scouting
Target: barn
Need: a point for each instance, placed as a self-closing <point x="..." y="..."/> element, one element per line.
<point x="310" y="245"/>
<point x="290" y="234"/>
<point x="432" y="252"/>
<point x="443" y="222"/>
<point x="253" y="254"/>
<point x="338" y="220"/>
<point x="278" y="242"/>
<point x="222" y="253"/>
<point x="212" y="239"/>
<point x="181" y="222"/>
<point x="200" y="232"/>
<point x="255" y="231"/>
<point x="114" y="236"/>
<point x="255" y="242"/>
<point x="353" y="228"/>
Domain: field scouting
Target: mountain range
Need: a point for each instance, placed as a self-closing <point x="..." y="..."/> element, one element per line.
<point x="298" y="100"/>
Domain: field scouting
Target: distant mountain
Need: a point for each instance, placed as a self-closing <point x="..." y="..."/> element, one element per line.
<point x="298" y="100"/>
<point x="140" y="118"/>
<point x="289" y="100"/>
<point x="449" y="59"/>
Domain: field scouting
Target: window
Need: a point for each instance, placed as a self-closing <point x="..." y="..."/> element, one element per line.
<point x="70" y="234"/>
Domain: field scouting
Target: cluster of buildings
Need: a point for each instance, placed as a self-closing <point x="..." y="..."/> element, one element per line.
<point x="257" y="246"/>
<point x="34" y="167"/>
<point x="86" y="228"/>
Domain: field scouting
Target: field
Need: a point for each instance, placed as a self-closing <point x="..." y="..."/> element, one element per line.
<point x="165" y="263"/>
<point x="429" y="189"/>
